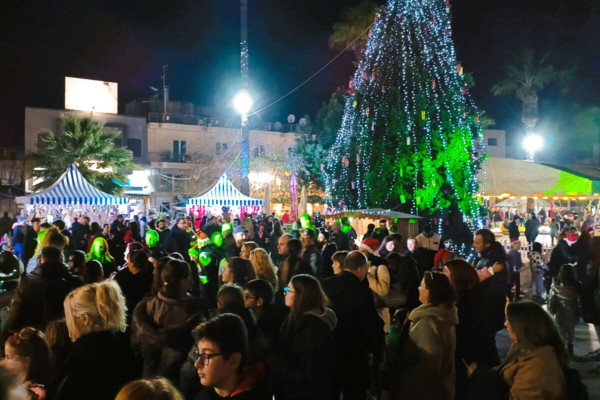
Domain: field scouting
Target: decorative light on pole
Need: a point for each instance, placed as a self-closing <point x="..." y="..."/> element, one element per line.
<point x="243" y="101"/>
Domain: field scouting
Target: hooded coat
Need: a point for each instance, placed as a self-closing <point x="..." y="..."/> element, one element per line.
<point x="564" y="305"/>
<point x="306" y="361"/>
<point x="161" y="333"/>
<point x="427" y="366"/>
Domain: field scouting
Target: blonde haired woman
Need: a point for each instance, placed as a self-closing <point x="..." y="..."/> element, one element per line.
<point x="264" y="268"/>
<point x="47" y="237"/>
<point x="101" y="360"/>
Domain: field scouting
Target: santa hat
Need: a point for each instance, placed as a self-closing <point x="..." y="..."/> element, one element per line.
<point x="371" y="245"/>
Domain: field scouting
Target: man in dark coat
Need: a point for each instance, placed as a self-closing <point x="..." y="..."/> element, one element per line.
<point x="178" y="240"/>
<point x="342" y="241"/>
<point x="5" y="224"/>
<point x="492" y="268"/>
<point x="310" y="253"/>
<point x="561" y="254"/>
<point x="40" y="295"/>
<point x="532" y="228"/>
<point x="381" y="232"/>
<point x="359" y="328"/>
<point x="162" y="230"/>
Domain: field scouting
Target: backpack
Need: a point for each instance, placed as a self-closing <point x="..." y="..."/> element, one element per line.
<point x="576" y="390"/>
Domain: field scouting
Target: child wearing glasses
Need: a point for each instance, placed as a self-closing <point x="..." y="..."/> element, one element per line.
<point x="222" y="350"/>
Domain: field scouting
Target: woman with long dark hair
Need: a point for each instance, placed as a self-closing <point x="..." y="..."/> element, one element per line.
<point x="535" y="363"/>
<point x="404" y="282"/>
<point x="134" y="234"/>
<point x="470" y="346"/>
<point x="293" y="264"/>
<point x="306" y="361"/>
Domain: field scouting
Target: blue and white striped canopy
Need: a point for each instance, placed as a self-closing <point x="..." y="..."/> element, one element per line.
<point x="224" y="194"/>
<point x="72" y="189"/>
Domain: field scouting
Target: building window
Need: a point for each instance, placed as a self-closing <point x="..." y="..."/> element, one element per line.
<point x="492" y="142"/>
<point x="135" y="145"/>
<point x="179" y="149"/>
<point x="259" y="151"/>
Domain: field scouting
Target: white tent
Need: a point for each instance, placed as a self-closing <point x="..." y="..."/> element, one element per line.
<point x="71" y="189"/>
<point x="223" y="193"/>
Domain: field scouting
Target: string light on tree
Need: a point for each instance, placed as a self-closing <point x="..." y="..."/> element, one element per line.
<point x="413" y="125"/>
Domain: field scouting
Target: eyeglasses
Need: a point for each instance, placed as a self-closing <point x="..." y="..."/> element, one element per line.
<point x="205" y="358"/>
<point x="287" y="290"/>
<point x="248" y="297"/>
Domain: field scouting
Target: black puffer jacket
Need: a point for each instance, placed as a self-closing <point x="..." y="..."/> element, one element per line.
<point x="161" y="333"/>
<point x="100" y="363"/>
<point x="40" y="296"/>
<point x="306" y="362"/>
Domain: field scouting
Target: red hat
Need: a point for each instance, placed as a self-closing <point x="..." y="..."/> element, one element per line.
<point x="370" y="244"/>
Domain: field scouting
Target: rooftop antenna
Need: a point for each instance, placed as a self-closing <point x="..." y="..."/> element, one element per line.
<point x="165" y="93"/>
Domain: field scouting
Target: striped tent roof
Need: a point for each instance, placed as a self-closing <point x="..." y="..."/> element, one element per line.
<point x="224" y="194"/>
<point x="72" y="189"/>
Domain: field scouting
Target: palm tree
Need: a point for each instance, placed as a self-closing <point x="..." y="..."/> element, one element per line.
<point x="87" y="144"/>
<point x="353" y="30"/>
<point x="525" y="77"/>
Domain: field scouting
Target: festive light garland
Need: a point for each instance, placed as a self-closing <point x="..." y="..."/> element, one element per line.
<point x="410" y="130"/>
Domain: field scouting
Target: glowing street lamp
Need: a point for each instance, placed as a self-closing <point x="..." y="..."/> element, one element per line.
<point x="532" y="143"/>
<point x="243" y="104"/>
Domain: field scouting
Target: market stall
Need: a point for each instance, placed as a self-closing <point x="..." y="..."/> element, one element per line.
<point x="359" y="219"/>
<point x="223" y="194"/>
<point x="71" y="196"/>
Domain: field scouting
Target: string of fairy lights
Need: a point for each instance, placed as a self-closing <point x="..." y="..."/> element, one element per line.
<point x="410" y="130"/>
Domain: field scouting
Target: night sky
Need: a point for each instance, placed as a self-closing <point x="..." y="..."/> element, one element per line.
<point x="42" y="41"/>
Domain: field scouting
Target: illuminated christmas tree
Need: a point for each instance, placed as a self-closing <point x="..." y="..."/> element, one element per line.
<point x="410" y="136"/>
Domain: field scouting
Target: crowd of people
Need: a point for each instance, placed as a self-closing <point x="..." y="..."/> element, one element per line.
<point x="222" y="308"/>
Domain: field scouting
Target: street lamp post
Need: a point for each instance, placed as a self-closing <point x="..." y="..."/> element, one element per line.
<point x="243" y="101"/>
